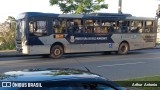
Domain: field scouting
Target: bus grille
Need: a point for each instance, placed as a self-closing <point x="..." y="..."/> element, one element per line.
<point x="19" y="45"/>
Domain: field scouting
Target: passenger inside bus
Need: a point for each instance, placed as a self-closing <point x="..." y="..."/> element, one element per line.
<point x="124" y="26"/>
<point x="111" y="29"/>
<point x="75" y="27"/>
<point x="56" y="24"/>
<point x="70" y="26"/>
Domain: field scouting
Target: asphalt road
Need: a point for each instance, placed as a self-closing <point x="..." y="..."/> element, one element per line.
<point x="138" y="63"/>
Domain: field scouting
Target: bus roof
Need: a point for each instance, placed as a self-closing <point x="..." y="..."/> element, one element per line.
<point x="104" y="16"/>
<point x="111" y="14"/>
<point x="31" y="14"/>
<point x="90" y="16"/>
<point x="139" y="18"/>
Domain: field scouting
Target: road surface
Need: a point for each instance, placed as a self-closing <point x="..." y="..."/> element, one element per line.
<point x="138" y="63"/>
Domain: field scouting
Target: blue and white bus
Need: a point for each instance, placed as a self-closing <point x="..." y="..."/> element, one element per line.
<point x="56" y="34"/>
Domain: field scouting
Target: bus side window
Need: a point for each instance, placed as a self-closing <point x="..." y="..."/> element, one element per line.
<point x="97" y="26"/>
<point x="70" y="26"/>
<point x="78" y="26"/>
<point x="41" y="27"/>
<point x="56" y="26"/>
<point x="124" y="26"/>
<point x="104" y="27"/>
<point x="38" y="28"/>
<point x="136" y="26"/>
<point x="63" y="27"/>
<point x="110" y="26"/>
<point x="148" y="27"/>
<point x="88" y="26"/>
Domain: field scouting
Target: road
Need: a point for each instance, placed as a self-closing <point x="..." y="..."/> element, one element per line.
<point x="138" y="63"/>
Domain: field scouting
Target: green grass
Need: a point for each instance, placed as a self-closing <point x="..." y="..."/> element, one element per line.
<point x="153" y="79"/>
<point x="7" y="47"/>
<point x="157" y="43"/>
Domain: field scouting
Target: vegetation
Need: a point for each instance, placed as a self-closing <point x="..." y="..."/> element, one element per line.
<point x="79" y="6"/>
<point x="7" y="34"/>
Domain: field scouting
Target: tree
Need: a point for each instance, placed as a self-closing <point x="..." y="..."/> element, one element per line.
<point x="7" y="33"/>
<point x="79" y="6"/>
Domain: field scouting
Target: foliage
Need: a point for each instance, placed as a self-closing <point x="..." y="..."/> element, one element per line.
<point x="79" y="6"/>
<point x="7" y="34"/>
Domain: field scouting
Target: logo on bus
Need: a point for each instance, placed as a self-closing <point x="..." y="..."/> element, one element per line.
<point x="110" y="45"/>
<point x="72" y="39"/>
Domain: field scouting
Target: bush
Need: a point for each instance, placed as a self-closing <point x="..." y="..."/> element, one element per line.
<point x="7" y="46"/>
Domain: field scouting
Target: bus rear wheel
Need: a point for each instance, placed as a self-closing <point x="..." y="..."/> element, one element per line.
<point x="123" y="48"/>
<point x="56" y="51"/>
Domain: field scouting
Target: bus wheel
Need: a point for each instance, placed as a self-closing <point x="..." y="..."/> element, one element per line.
<point x="123" y="49"/>
<point x="56" y="51"/>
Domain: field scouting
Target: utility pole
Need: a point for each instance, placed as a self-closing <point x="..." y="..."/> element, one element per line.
<point x="158" y="11"/>
<point x="120" y="7"/>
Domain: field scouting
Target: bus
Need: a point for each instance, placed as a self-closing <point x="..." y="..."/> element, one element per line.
<point x="57" y="34"/>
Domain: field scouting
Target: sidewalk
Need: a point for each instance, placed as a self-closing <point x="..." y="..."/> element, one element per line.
<point x="157" y="46"/>
<point x="7" y="53"/>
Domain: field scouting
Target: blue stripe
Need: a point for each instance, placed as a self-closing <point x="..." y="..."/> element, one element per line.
<point x="34" y="41"/>
<point x="89" y="38"/>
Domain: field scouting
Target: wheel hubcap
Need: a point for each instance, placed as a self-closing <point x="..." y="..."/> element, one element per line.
<point x="57" y="52"/>
<point x="123" y="49"/>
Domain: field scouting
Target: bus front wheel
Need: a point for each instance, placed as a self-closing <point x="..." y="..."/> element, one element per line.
<point x="56" y="51"/>
<point x="123" y="48"/>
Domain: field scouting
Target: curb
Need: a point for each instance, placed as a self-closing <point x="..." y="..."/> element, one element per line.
<point x="10" y="53"/>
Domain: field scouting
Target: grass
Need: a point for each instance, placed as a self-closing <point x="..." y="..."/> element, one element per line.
<point x="152" y="79"/>
<point x="7" y="47"/>
<point x="157" y="43"/>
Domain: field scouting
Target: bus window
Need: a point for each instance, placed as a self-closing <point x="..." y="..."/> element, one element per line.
<point x="38" y="28"/>
<point x="110" y="26"/>
<point x="56" y="26"/>
<point x="89" y="26"/>
<point x="104" y="27"/>
<point x="41" y="27"/>
<point x="78" y="26"/>
<point x="124" y="26"/>
<point x="97" y="26"/>
<point x="74" y="26"/>
<point x="136" y="26"/>
<point x="148" y="27"/>
<point x="63" y="27"/>
<point x="140" y="26"/>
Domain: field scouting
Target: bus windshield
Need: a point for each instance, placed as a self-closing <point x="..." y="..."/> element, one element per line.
<point x="20" y="29"/>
